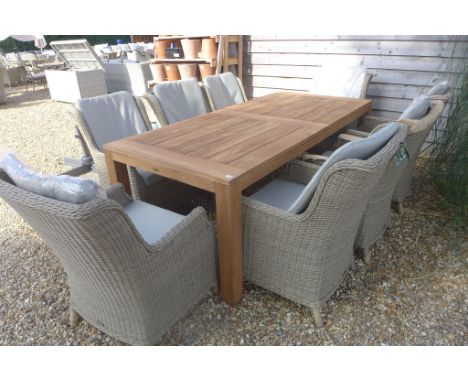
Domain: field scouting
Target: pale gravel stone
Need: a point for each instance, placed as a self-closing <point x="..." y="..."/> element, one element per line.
<point x="413" y="293"/>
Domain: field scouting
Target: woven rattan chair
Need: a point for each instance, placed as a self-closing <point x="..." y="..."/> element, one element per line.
<point x="129" y="288"/>
<point x="174" y="101"/>
<point x="305" y="256"/>
<point x="395" y="184"/>
<point x="127" y="111"/>
<point x="224" y="90"/>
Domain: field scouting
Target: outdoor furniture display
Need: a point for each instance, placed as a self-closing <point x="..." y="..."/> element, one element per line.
<point x="14" y="76"/>
<point x="33" y="77"/>
<point x="224" y="90"/>
<point x="114" y="116"/>
<point x="85" y="77"/>
<point x="133" y="269"/>
<point x="129" y="76"/>
<point x="174" y="101"/>
<point x="230" y="149"/>
<point x="299" y="230"/>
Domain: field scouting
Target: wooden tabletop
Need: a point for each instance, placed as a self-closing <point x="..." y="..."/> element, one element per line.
<point x="228" y="150"/>
<point x="241" y="143"/>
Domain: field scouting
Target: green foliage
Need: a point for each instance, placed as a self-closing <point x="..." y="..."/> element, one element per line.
<point x="10" y="44"/>
<point x="448" y="164"/>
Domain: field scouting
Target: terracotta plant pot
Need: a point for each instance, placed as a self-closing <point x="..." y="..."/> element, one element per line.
<point x="188" y="71"/>
<point x="160" y="46"/>
<point x="158" y="72"/>
<point x="206" y="70"/>
<point x="172" y="72"/>
<point x="208" y="49"/>
<point x="191" y="47"/>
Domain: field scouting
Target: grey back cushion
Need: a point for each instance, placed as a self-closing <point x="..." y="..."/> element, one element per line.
<point x="111" y="117"/>
<point x="60" y="187"/>
<point x="418" y="108"/>
<point x="224" y="90"/>
<point x="359" y="149"/>
<point x="439" y="89"/>
<point x="181" y="99"/>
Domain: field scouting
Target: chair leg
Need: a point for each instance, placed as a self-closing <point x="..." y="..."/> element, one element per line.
<point x="75" y="318"/>
<point x="317" y="316"/>
<point x="399" y="207"/>
<point x="353" y="264"/>
<point x="366" y="255"/>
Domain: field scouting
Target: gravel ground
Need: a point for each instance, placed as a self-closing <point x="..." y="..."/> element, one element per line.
<point x="413" y="293"/>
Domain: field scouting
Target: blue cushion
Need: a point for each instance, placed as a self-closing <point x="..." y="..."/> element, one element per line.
<point x="418" y="108"/>
<point x="150" y="221"/>
<point x="181" y="99"/>
<point x="111" y="117"/>
<point x="359" y="149"/>
<point x="59" y="187"/>
<point x="224" y="90"/>
<point x="439" y="89"/>
<point x="279" y="193"/>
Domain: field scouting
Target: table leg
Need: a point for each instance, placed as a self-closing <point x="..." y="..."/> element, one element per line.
<point x="118" y="172"/>
<point x="230" y="245"/>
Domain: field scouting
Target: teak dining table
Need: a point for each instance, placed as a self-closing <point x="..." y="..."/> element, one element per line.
<point x="228" y="150"/>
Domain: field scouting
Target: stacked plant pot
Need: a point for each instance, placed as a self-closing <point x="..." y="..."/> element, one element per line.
<point x="192" y="48"/>
<point x="208" y="52"/>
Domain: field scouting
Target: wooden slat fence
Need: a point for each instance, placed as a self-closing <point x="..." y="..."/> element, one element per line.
<point x="404" y="66"/>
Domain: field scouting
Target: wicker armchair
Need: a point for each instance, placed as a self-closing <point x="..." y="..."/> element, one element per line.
<point x="121" y="284"/>
<point x="304" y="257"/>
<point x="395" y="183"/>
<point x="144" y="185"/>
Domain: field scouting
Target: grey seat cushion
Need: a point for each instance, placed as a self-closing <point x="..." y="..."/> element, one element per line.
<point x="418" y="108"/>
<point x="279" y="193"/>
<point x="111" y="117"/>
<point x="439" y="88"/>
<point x="151" y="222"/>
<point x="359" y="149"/>
<point x="224" y="90"/>
<point x="59" y="187"/>
<point x="181" y="99"/>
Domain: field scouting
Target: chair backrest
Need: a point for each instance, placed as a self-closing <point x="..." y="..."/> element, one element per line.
<point x="438" y="89"/>
<point x="181" y="99"/>
<point x="341" y="81"/>
<point x="358" y="149"/>
<point x="224" y="90"/>
<point x="417" y="109"/>
<point x="111" y="117"/>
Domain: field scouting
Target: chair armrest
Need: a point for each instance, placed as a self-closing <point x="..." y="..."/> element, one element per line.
<point x="314" y="158"/>
<point x="299" y="171"/>
<point x="359" y="133"/>
<point x="349" y="137"/>
<point x="444" y="98"/>
<point x="116" y="192"/>
<point x="370" y="123"/>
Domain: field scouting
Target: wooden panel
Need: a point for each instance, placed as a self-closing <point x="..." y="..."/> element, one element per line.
<point x="253" y="60"/>
<point x="360" y="37"/>
<point x="405" y="66"/>
<point x="402" y="48"/>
